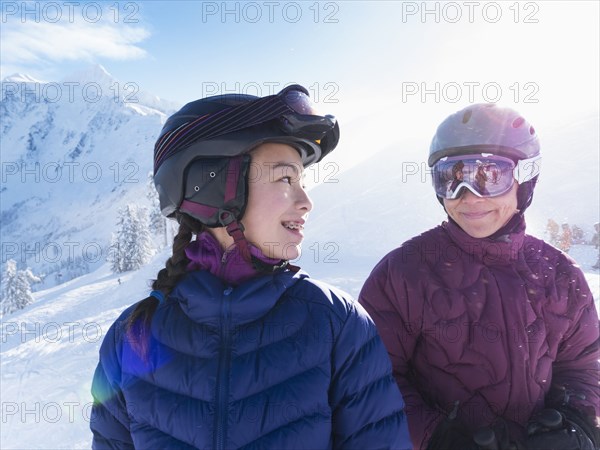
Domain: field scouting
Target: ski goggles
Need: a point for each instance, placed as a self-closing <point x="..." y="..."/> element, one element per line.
<point x="291" y="108"/>
<point x="484" y="174"/>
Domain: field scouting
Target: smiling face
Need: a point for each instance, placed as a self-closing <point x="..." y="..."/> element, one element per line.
<point x="481" y="217"/>
<point x="278" y="205"/>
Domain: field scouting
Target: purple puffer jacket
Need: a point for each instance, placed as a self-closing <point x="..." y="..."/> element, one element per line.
<point x="501" y="329"/>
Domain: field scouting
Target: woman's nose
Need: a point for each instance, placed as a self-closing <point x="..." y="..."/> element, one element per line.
<point x="303" y="201"/>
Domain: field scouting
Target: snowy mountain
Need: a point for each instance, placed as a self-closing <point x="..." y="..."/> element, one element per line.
<point x="73" y="152"/>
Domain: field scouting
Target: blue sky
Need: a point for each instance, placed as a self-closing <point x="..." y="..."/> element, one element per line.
<point x="380" y="64"/>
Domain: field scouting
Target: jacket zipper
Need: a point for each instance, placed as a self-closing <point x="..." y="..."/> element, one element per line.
<point x="221" y="412"/>
<point x="223" y="268"/>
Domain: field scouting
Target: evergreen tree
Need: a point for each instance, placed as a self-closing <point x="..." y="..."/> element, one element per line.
<point x="131" y="246"/>
<point x="16" y="287"/>
<point x="143" y="247"/>
<point x="157" y="221"/>
<point x="115" y="255"/>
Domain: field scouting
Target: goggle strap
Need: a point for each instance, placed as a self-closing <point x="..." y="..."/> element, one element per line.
<point x="244" y="116"/>
<point x="527" y="169"/>
<point x="222" y="122"/>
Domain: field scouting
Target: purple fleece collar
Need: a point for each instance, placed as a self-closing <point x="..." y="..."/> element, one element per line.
<point x="205" y="253"/>
<point x="498" y="250"/>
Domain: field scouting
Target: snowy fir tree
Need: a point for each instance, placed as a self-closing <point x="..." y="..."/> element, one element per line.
<point x="131" y="245"/>
<point x="157" y="221"/>
<point x="16" y="288"/>
<point x="115" y="256"/>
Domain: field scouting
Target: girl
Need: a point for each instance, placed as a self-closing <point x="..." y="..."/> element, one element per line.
<point x="235" y="347"/>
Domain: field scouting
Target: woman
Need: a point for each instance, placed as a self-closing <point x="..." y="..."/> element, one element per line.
<point x="235" y="347"/>
<point x="493" y="334"/>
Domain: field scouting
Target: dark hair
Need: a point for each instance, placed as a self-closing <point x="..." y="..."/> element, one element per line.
<point x="137" y="325"/>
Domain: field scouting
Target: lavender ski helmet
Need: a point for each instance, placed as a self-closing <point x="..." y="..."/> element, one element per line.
<point x="488" y="128"/>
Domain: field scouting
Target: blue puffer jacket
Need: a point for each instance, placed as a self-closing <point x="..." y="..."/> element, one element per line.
<point x="281" y="361"/>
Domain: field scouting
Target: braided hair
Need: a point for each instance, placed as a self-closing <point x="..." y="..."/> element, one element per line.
<point x="137" y="325"/>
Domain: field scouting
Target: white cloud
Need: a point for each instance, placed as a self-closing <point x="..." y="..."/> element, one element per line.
<point x="32" y="42"/>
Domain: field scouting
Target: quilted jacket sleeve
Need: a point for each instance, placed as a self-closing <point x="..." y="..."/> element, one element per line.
<point x="368" y="410"/>
<point x="575" y="370"/>
<point x="109" y="420"/>
<point x="386" y="297"/>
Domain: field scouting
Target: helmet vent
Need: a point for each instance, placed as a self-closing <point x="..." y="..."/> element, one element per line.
<point x="531" y="131"/>
<point x="518" y="122"/>
<point x="467" y="116"/>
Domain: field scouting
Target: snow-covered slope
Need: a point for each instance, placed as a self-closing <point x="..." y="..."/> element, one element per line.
<point x="49" y="352"/>
<point x="50" y="349"/>
<point x="73" y="152"/>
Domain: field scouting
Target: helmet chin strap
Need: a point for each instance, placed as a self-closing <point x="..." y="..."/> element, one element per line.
<point x="235" y="229"/>
<point x="525" y="194"/>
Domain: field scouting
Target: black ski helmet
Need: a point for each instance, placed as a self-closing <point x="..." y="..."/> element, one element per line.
<point x="488" y="128"/>
<point x="201" y="159"/>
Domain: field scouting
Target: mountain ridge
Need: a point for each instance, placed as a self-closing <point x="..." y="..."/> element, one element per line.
<point x="69" y="161"/>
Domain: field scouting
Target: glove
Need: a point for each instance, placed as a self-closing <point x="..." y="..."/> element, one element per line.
<point x="496" y="437"/>
<point x="450" y="434"/>
<point x="552" y="429"/>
